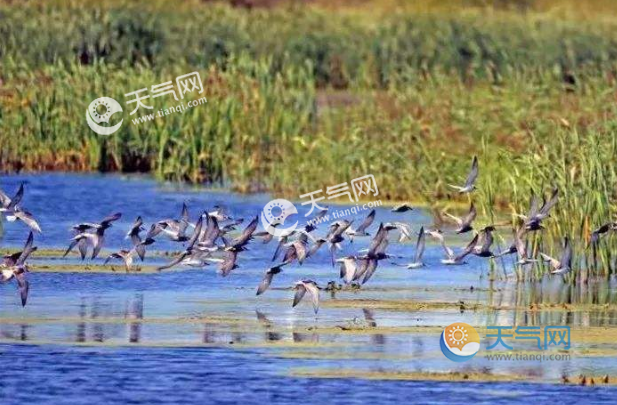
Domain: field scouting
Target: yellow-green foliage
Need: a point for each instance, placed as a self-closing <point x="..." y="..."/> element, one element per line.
<point x="302" y="97"/>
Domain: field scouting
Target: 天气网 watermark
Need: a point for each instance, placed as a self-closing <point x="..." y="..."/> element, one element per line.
<point x="460" y="342"/>
<point x="275" y="212"/>
<point x="100" y="110"/>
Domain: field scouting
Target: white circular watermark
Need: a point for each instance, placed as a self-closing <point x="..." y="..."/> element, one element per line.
<point x="274" y="214"/>
<point x="95" y="116"/>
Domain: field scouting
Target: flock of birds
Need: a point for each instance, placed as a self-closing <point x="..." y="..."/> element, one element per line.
<point x="207" y="240"/>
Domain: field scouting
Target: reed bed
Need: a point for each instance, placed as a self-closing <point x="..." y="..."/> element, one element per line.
<point x="303" y="97"/>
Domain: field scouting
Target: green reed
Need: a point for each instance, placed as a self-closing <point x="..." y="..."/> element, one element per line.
<point x="301" y="98"/>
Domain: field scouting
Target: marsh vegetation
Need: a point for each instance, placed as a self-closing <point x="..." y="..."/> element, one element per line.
<point x="301" y="96"/>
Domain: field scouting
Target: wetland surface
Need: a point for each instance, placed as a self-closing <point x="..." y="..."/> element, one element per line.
<point x="192" y="336"/>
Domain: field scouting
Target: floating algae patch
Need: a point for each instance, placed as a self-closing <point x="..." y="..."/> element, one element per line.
<point x="59" y="253"/>
<point x="356" y="355"/>
<point x="381" y="330"/>
<point x="91" y="268"/>
<point x="401" y="305"/>
<point x="472" y="376"/>
<point x="40" y="253"/>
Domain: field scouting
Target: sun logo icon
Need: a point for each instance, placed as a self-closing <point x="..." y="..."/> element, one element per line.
<point x="274" y="214"/>
<point x="459" y="342"/>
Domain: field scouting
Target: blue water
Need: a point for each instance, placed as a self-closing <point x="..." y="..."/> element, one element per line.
<point x="194" y="337"/>
<point x="57" y="375"/>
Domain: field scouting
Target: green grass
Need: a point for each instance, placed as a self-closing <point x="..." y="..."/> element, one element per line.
<point x="304" y="97"/>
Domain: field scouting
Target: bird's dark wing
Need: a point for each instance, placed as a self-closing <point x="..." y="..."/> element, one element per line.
<point x="141" y="251"/>
<point x="278" y="250"/>
<point x="420" y="244"/>
<point x="473" y="173"/>
<point x="367" y="222"/>
<point x="267" y="280"/>
<point x="487" y="240"/>
<point x="23" y="285"/>
<point x="290" y="254"/>
<point x="370" y="270"/>
<point x="229" y="262"/>
<point x="550" y="203"/>
<point x="28" y="249"/>
<point x="155" y="230"/>
<point x="595" y="235"/>
<point x="300" y="291"/>
<point x="468" y="249"/>
<point x="381" y="234"/>
<point x="313" y="291"/>
<point x="316" y="246"/>
<point x="112" y="218"/>
<point x="471" y="215"/>
<point x="247" y="234"/>
<point x="301" y="250"/>
<point x="71" y="246"/>
<point x="99" y="239"/>
<point x="196" y="233"/>
<point x="184" y="220"/>
<point x="212" y="231"/>
<point x="534" y="207"/>
<point x="566" y="256"/>
<point x="17" y="197"/>
<point x="82" y="246"/>
<point x="112" y="256"/>
<point x="135" y="229"/>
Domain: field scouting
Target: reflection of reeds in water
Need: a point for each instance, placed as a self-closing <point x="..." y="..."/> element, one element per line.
<point x="135" y="312"/>
<point x="551" y="302"/>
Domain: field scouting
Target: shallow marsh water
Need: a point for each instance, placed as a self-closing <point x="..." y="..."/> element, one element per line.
<point x="190" y="335"/>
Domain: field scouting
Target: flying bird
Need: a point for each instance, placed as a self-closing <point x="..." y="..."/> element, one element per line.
<point x="93" y="234"/>
<point x="229" y="262"/>
<point x="138" y="244"/>
<point x="14" y="212"/>
<point x="349" y="268"/>
<point x="601" y="231"/>
<point x="485" y="241"/>
<point x="7" y="204"/>
<point x="456" y="260"/>
<point x="268" y="276"/>
<point x="402" y="208"/>
<point x="14" y="267"/>
<point x="239" y="243"/>
<point x="375" y="253"/>
<point x="564" y="264"/>
<point x="420" y="244"/>
<point x="175" y="229"/>
<point x="17" y="272"/>
<point x="335" y="237"/>
<point x="521" y="249"/>
<point x="219" y="213"/>
<point x="533" y="220"/>
<point x="465" y="224"/>
<point x="316" y="246"/>
<point x="469" y="185"/>
<point x="310" y="287"/>
<point x="403" y="228"/>
<point x="19" y="258"/>
<point x="124" y="255"/>
<point x="361" y="230"/>
<point x="316" y="220"/>
<point x="194" y="255"/>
